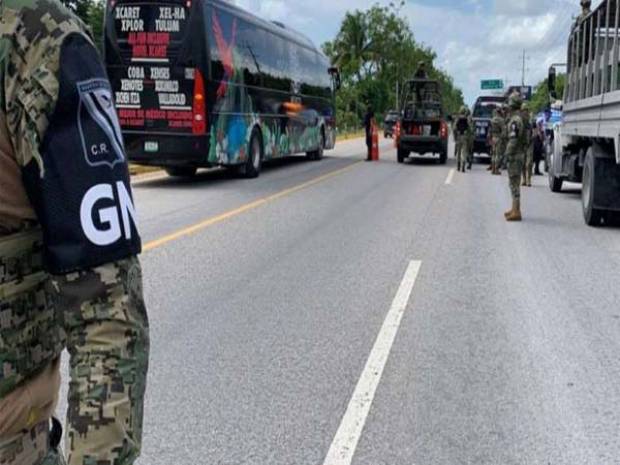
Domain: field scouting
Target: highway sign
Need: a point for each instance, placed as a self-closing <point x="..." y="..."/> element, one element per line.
<point x="491" y="84"/>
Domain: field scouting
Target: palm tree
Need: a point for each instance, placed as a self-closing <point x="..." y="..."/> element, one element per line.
<point x="353" y="47"/>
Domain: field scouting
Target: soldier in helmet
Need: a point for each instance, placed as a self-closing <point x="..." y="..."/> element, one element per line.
<point x="421" y="72"/>
<point x="70" y="277"/>
<point x="461" y="130"/>
<point x="528" y="166"/>
<point x="515" y="154"/>
<point x="586" y="9"/>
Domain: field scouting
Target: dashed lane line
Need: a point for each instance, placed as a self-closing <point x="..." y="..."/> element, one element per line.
<point x="347" y="437"/>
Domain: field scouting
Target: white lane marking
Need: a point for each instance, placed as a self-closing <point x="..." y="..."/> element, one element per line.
<point x="345" y="443"/>
<point x="450" y="176"/>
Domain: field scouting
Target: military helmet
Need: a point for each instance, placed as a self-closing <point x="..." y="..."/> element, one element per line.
<point x="515" y="101"/>
<point x="586" y="3"/>
<point x="464" y="110"/>
<point x="525" y="106"/>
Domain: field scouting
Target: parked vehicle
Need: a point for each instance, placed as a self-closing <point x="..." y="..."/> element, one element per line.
<point x="483" y="113"/>
<point x="586" y="145"/>
<point x="423" y="129"/>
<point x="389" y="123"/>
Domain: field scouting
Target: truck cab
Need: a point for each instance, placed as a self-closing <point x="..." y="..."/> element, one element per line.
<point x="586" y="145"/>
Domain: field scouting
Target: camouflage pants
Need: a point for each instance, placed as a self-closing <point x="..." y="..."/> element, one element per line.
<point x="528" y="166"/>
<point x="461" y="151"/>
<point x="503" y="161"/>
<point x="30" y="448"/>
<point x="515" y="170"/>
<point x="495" y="154"/>
<point x="108" y="344"/>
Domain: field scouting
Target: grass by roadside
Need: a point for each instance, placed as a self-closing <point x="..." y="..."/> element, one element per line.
<point x="350" y="135"/>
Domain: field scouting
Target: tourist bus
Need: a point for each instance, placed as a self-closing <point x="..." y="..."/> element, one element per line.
<point x="203" y="83"/>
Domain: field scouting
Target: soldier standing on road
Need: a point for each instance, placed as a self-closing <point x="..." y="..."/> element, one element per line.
<point x="496" y="134"/>
<point x="515" y="154"/>
<point x="470" y="139"/>
<point x="529" y="139"/>
<point x="504" y="141"/>
<point x="68" y="244"/>
<point x="369" y="121"/>
<point x="461" y="128"/>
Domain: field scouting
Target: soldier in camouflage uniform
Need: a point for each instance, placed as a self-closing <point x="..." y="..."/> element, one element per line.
<point x="497" y="134"/>
<point x="515" y="154"/>
<point x="471" y="135"/>
<point x="504" y="140"/>
<point x="69" y="276"/>
<point x="528" y="166"/>
<point x="461" y="128"/>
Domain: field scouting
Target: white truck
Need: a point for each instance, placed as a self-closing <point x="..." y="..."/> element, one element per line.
<point x="586" y="145"/>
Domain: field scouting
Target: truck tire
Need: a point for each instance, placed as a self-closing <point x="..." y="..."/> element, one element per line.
<point x="443" y="157"/>
<point x="181" y="171"/>
<point x="251" y="168"/>
<point x="591" y="215"/>
<point x="555" y="184"/>
<point x="401" y="155"/>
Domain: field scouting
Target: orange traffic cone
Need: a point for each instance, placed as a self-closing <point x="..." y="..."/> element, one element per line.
<point x="374" y="154"/>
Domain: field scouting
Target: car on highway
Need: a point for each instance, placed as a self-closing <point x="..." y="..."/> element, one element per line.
<point x="389" y="123"/>
<point x="423" y="128"/>
<point x="482" y="114"/>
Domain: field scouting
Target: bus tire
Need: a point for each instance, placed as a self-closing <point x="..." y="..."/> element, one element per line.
<point x="181" y="171"/>
<point x="252" y="167"/>
<point x="591" y="215"/>
<point x="317" y="155"/>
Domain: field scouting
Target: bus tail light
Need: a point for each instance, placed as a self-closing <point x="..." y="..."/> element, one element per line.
<point x="199" y="113"/>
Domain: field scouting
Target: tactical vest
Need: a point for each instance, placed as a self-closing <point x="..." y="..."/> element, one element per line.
<point x="31" y="335"/>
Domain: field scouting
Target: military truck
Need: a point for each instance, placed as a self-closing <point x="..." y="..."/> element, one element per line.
<point x="483" y="113"/>
<point x="423" y="128"/>
<point x="586" y="145"/>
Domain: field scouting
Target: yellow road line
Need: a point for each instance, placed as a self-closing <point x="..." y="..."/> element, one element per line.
<point x="243" y="209"/>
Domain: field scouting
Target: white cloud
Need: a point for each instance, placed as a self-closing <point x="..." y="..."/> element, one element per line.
<point x="474" y="39"/>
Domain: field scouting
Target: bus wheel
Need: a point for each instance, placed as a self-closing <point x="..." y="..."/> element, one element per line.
<point x="317" y="155"/>
<point x="181" y="171"/>
<point x="251" y="168"/>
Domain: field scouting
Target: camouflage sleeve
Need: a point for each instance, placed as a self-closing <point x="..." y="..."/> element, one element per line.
<point x="107" y="333"/>
<point x="52" y="72"/>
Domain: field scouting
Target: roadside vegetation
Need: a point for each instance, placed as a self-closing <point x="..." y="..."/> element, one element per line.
<point x="540" y="99"/>
<point x="375" y="49"/>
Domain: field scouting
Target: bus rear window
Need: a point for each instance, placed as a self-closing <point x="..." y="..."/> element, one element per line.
<point x="149" y="31"/>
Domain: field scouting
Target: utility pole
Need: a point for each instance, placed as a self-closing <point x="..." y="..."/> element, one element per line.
<point x="523" y="69"/>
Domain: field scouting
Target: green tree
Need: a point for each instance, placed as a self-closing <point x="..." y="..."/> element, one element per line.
<point x="92" y="13"/>
<point x="375" y="49"/>
<point x="540" y="99"/>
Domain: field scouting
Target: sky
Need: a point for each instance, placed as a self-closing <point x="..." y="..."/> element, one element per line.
<point x="473" y="39"/>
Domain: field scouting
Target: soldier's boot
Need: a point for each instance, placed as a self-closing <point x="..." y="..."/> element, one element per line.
<point x="491" y="167"/>
<point x="523" y="180"/>
<point x="515" y="214"/>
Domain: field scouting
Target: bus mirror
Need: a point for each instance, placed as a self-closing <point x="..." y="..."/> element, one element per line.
<point x="551" y="83"/>
<point x="335" y="74"/>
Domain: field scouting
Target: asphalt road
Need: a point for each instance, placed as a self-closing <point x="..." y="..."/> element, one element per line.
<point x="265" y="313"/>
